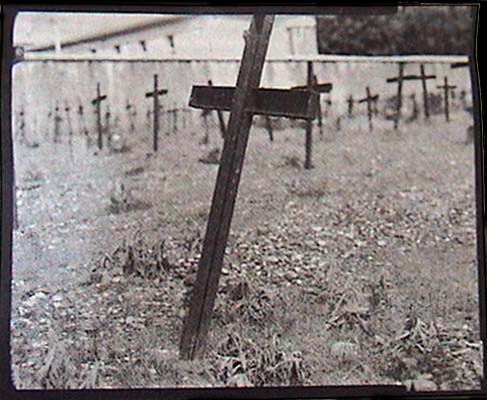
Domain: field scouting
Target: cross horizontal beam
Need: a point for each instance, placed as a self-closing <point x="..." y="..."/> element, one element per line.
<point x="159" y="93"/>
<point x="300" y="104"/>
<point x="98" y="99"/>
<point x="410" y="78"/>
<point x="459" y="65"/>
<point x="319" y="88"/>
<point x="371" y="98"/>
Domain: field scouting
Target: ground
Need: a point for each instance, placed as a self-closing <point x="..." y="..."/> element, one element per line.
<point x="362" y="270"/>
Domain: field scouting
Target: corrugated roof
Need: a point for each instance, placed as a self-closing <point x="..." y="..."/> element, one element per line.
<point x="38" y="30"/>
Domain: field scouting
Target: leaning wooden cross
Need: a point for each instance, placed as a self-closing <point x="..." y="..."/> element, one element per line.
<point x="446" y="96"/>
<point x="155" y="95"/>
<point x="243" y="101"/>
<point x="97" y="102"/>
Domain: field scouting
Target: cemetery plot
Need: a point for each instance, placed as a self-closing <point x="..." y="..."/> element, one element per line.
<point x="356" y="266"/>
<point x="368" y="254"/>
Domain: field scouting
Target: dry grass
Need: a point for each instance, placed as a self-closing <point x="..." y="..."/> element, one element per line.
<point x="359" y="271"/>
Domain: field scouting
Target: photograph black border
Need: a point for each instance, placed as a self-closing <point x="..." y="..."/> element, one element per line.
<point x="8" y="391"/>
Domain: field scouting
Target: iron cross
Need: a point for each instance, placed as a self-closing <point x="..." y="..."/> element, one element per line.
<point x="243" y="101"/>
<point x="97" y="102"/>
<point x="350" y="102"/>
<point x="155" y="95"/>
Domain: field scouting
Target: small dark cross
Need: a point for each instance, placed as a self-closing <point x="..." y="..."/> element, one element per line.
<point x="22" y="124"/>
<point x="82" y="124"/>
<point x="446" y="91"/>
<point x="350" y="102"/>
<point x="67" y="110"/>
<point x="243" y="101"/>
<point x="97" y="102"/>
<point x="70" y="128"/>
<point x="155" y="95"/>
<point x="414" y="114"/>
<point x="132" y="114"/>
<point x="328" y="103"/>
<point x="370" y="100"/>
<point x="106" y="128"/>
<point x="57" y="122"/>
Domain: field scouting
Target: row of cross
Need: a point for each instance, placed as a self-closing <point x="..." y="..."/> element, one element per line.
<point x="312" y="86"/>
<point x="154" y="94"/>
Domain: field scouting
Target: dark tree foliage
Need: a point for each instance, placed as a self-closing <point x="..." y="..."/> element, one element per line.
<point x="412" y="30"/>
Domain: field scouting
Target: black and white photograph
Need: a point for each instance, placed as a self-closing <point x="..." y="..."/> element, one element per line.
<point x="222" y="200"/>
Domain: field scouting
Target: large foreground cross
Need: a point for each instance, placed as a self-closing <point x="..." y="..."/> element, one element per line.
<point x="243" y="101"/>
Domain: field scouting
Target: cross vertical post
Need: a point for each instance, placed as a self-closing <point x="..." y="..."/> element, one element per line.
<point x="424" y="79"/>
<point x="399" y="79"/>
<point x="97" y="102"/>
<point x="309" y="123"/>
<point x="155" y="95"/>
<point x="175" y="119"/>
<point x="446" y="92"/>
<point x="196" y="325"/>
<point x="350" y="102"/>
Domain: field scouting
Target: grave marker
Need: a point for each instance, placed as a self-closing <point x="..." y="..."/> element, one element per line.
<point x="97" y="102"/>
<point x="244" y="101"/>
<point x="82" y="123"/>
<point x="106" y="128"/>
<point x="415" y="112"/>
<point x="131" y="114"/>
<point x="350" y="102"/>
<point x="22" y="124"/>
<point x="446" y="91"/>
<point x="317" y="88"/>
<point x="370" y="100"/>
<point x="57" y="122"/>
<point x="67" y="110"/>
<point x="155" y="95"/>
<point x="70" y="128"/>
